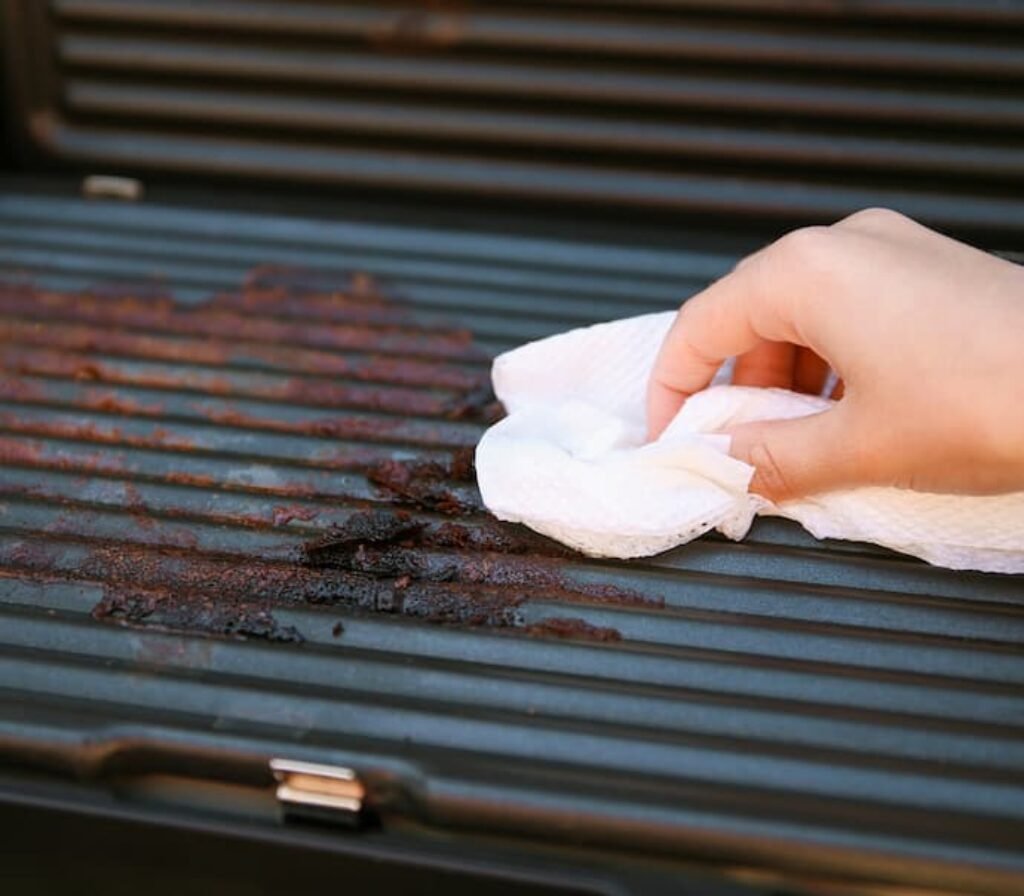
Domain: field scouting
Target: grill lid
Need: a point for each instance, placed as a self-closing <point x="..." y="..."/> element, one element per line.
<point x="769" y="111"/>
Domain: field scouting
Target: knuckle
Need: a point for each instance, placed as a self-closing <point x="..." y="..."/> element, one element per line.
<point x="803" y="247"/>
<point x="876" y="218"/>
<point x="799" y="269"/>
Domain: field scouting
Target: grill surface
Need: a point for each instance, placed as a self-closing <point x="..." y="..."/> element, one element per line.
<point x="820" y="708"/>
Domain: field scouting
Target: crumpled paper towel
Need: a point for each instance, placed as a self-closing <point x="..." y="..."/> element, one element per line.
<point x="570" y="461"/>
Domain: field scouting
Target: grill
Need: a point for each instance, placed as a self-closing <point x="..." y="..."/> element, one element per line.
<point x="164" y="464"/>
<point x="237" y="515"/>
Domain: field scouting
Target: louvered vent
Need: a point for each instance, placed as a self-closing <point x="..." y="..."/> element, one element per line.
<point x="740" y="108"/>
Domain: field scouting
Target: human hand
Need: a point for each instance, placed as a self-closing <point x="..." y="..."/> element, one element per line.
<point x="926" y="334"/>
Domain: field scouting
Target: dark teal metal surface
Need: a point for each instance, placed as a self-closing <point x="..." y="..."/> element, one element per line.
<point x="814" y="709"/>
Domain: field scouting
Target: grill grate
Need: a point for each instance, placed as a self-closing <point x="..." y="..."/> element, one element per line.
<point x="163" y="464"/>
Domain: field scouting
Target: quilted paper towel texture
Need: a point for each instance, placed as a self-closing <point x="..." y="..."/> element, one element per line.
<point x="570" y="462"/>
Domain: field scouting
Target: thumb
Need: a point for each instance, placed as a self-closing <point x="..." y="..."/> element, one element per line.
<point x="797" y="457"/>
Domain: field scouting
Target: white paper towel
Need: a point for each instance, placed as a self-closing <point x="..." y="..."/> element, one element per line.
<point x="570" y="461"/>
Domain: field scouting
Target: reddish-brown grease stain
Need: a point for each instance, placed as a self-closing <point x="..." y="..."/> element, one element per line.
<point x="16" y="389"/>
<point x="181" y="477"/>
<point x="145" y="517"/>
<point x="30" y="453"/>
<point x="281" y="516"/>
<point x="35" y="554"/>
<point x="73" y="365"/>
<point x="328" y="394"/>
<point x="43" y="361"/>
<point x="289" y="292"/>
<point x="110" y="403"/>
<point x="341" y="428"/>
<point x="17" y="451"/>
<point x="570" y="627"/>
<point x="88" y="372"/>
<point x="159" y="437"/>
<point x="216" y="319"/>
<point x="462" y="464"/>
<point x="133" y="498"/>
<point x="305" y="338"/>
<point x="333" y="306"/>
<point x="214" y="351"/>
<point x="349" y="457"/>
<point x="293" y="389"/>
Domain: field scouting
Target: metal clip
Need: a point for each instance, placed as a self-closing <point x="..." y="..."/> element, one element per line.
<point x="328" y="792"/>
<point x="104" y="186"/>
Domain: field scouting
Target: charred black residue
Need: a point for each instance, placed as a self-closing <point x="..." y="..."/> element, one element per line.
<point x="425" y="484"/>
<point x="359" y="530"/>
<point x="493" y="537"/>
<point x="417" y="574"/>
<point x="212" y="615"/>
<point x="480" y="405"/>
<point x="385" y="550"/>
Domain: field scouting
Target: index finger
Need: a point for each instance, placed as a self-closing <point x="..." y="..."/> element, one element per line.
<point x="729" y="318"/>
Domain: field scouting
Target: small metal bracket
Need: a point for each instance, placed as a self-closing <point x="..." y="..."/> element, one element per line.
<point x="326" y="792"/>
<point x="105" y="186"/>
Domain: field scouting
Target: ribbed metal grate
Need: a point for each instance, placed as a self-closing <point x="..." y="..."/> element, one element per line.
<point x="164" y="462"/>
